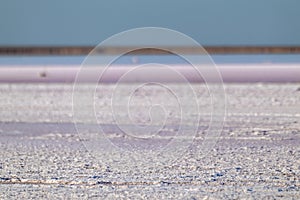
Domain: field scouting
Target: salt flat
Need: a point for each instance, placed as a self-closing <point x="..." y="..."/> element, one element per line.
<point x="42" y="155"/>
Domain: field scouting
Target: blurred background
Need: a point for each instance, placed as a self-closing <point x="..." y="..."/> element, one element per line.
<point x="62" y="33"/>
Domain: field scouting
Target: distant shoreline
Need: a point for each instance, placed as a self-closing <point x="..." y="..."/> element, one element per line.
<point x="84" y="50"/>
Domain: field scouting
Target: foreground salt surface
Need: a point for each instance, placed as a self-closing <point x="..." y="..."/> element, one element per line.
<point x="256" y="157"/>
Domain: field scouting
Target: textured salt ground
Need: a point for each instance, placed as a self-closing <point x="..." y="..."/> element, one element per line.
<point x="256" y="157"/>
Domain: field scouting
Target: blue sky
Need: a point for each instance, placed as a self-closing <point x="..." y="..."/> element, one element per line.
<point x="210" y="22"/>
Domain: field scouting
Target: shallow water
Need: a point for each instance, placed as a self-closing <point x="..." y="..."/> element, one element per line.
<point x="142" y="59"/>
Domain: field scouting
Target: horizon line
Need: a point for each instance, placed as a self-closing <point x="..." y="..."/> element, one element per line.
<point x="84" y="50"/>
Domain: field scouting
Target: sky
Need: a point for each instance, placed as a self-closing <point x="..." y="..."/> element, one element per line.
<point x="209" y="22"/>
